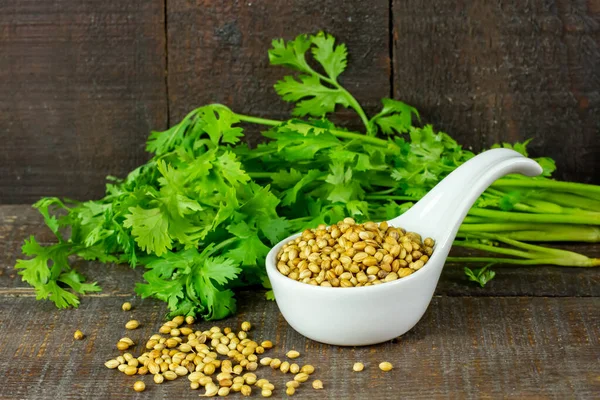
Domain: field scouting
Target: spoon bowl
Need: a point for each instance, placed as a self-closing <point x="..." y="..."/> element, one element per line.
<point x="374" y="314"/>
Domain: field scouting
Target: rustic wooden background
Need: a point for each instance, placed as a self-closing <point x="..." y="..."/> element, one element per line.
<point x="83" y="82"/>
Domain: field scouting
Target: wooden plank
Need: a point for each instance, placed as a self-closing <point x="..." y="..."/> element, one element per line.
<point x="218" y="52"/>
<point x="487" y="72"/>
<point x="463" y="348"/>
<point x="18" y="222"/>
<point x="81" y="86"/>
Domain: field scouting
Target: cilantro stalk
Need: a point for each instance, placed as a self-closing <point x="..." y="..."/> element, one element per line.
<point x="592" y="191"/>
<point x="527" y="254"/>
<point x="303" y="127"/>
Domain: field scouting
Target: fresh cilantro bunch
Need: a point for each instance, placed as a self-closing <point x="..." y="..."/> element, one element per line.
<point x="190" y="215"/>
<point x="202" y="214"/>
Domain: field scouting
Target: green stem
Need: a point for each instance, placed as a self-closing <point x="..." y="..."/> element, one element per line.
<point x="544" y="255"/>
<point x="386" y="197"/>
<point x="532" y="232"/>
<point x="353" y="102"/>
<point x="566" y="199"/>
<point x="582" y="188"/>
<point x="592" y="262"/>
<point x="224" y="243"/>
<point x="337" y="133"/>
<point x="260" y="175"/>
<point x="359" y="110"/>
<point x="543" y="218"/>
<point x="493" y="249"/>
<point x="257" y="120"/>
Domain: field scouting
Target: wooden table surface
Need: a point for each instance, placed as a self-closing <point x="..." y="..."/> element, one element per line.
<point x="532" y="333"/>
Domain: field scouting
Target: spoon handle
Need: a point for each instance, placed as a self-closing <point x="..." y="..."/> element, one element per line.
<point x="443" y="209"/>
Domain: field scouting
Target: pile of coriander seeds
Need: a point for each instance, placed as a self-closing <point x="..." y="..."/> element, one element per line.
<point x="348" y="254"/>
<point x="219" y="360"/>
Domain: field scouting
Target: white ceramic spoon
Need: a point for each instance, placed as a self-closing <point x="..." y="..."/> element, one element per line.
<point x="375" y="314"/>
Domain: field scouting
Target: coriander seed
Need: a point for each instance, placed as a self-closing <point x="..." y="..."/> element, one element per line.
<point x="139" y="386"/>
<point x="122" y="345"/>
<point x="292" y="354"/>
<point x="301" y="377"/>
<point x="112" y="364"/>
<point x="126" y="306"/>
<point x="78" y="335"/>
<point x="307" y="369"/>
<point x="133" y="324"/>
<point x="386" y="366"/>
<point x="246" y="390"/>
<point x="246" y="326"/>
<point x="357" y="367"/>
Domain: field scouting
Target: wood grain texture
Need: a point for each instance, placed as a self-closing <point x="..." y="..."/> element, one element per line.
<point x="218" y="52"/>
<point x="81" y="85"/>
<point x="18" y="222"/>
<point x="463" y="348"/>
<point x="486" y="72"/>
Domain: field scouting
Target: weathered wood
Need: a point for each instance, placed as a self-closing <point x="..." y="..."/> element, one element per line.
<point x="19" y="222"/>
<point x="487" y="72"/>
<point x="462" y="348"/>
<point x="218" y="52"/>
<point x="81" y="86"/>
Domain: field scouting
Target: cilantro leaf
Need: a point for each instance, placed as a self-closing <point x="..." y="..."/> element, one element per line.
<point x="315" y="94"/>
<point x="480" y="275"/>
<point x="395" y="116"/>
<point x="342" y="187"/>
<point x="333" y="59"/>
<point x="297" y="146"/>
<point x="150" y="229"/>
<point x="311" y="96"/>
<point x="291" y="54"/>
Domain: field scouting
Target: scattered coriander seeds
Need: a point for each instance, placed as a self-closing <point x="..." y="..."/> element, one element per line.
<point x="126" y="306"/>
<point x="133" y="324"/>
<point x="386" y="366"/>
<point x="78" y="335"/>
<point x="139" y="386"/>
<point x="357" y="367"/>
<point x="214" y="359"/>
<point x="365" y="254"/>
